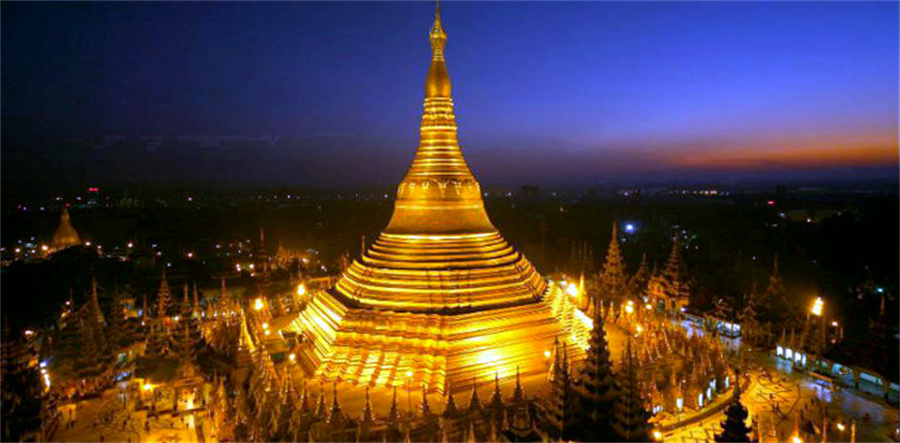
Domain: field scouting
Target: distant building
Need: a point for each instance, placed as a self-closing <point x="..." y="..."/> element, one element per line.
<point x="65" y="236"/>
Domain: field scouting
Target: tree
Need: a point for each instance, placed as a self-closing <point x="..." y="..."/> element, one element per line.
<point x="734" y="428"/>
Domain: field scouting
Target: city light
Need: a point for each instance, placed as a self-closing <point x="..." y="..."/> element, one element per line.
<point x="796" y="439"/>
<point x="629" y="228"/>
<point x="840" y="426"/>
<point x="258" y="304"/>
<point x="546" y="354"/>
<point x="301" y="290"/>
<point x="292" y="357"/>
<point x="148" y="386"/>
<point x="629" y="307"/>
<point x="572" y="290"/>
<point x="657" y="435"/>
<point x="818" y="305"/>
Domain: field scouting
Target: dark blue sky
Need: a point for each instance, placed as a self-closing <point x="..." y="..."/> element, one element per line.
<point x="590" y="91"/>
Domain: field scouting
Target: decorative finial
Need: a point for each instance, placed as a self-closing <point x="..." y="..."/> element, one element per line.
<point x="438" y="36"/>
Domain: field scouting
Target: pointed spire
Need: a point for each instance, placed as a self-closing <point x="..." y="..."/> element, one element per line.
<point x="163" y="296"/>
<point x="497" y="407"/>
<point x="320" y="408"/>
<point x="518" y="393"/>
<point x="195" y="311"/>
<point x="95" y="312"/>
<point x="474" y="401"/>
<point x="437" y="36"/>
<point x="304" y="399"/>
<point x="630" y="421"/>
<point x="612" y="279"/>
<point x="367" y="417"/>
<point x="450" y="409"/>
<point x="394" y="415"/>
<point x="185" y="301"/>
<point x="438" y="158"/>
<point x="336" y="416"/>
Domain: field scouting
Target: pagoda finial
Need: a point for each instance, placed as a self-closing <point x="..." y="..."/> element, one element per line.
<point x="438" y="82"/>
<point x="438" y="36"/>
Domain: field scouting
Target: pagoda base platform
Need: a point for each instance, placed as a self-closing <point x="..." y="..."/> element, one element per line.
<point x="444" y="350"/>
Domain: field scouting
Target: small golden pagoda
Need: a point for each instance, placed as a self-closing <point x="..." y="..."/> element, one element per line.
<point x="65" y="235"/>
<point x="440" y="299"/>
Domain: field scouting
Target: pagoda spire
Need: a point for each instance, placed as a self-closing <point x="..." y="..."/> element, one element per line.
<point x="95" y="312"/>
<point x="597" y="390"/>
<point x="474" y="401"/>
<point x="367" y="416"/>
<point x="336" y="417"/>
<point x="163" y="297"/>
<point x="630" y="419"/>
<point x="423" y="196"/>
<point x="195" y="310"/>
<point x="518" y="393"/>
<point x="394" y="415"/>
<point x="185" y="303"/>
<point x="521" y="424"/>
<point x="560" y="408"/>
<point x="320" y="408"/>
<point x="304" y="400"/>
<point x="612" y="280"/>
<point x="450" y="409"/>
<point x="496" y="404"/>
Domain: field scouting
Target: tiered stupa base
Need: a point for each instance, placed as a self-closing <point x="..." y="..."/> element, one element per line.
<point x="437" y="350"/>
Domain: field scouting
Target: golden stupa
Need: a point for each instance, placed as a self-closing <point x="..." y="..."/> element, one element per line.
<point x="65" y="235"/>
<point x="440" y="299"/>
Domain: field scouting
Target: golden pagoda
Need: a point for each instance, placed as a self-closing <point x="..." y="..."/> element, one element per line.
<point x="440" y="299"/>
<point x="65" y="235"/>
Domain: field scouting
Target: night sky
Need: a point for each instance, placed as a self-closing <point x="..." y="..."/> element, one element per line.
<point x="583" y="92"/>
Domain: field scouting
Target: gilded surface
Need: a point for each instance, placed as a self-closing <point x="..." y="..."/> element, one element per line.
<point x="440" y="299"/>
